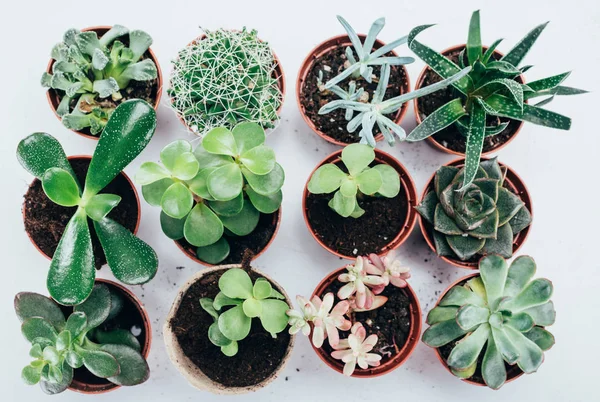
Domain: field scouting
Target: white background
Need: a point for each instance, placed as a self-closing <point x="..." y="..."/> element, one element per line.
<point x="560" y="169"/>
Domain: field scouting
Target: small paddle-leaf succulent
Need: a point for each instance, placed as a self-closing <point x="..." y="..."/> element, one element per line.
<point x="60" y="345"/>
<point x="360" y="180"/>
<point x="483" y="218"/>
<point x="88" y="69"/>
<point x="72" y="272"/>
<point x="237" y="303"/>
<point x="490" y="89"/>
<point x="225" y="183"/>
<point x="503" y="310"/>
<point x="355" y="350"/>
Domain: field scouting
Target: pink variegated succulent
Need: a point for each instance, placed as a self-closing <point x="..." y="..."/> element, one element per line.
<point x="389" y="269"/>
<point x="355" y="350"/>
<point x="359" y="283"/>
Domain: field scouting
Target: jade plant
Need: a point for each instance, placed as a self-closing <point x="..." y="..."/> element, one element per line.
<point x="360" y="180"/>
<point x="483" y="218"/>
<point x="224" y="78"/>
<point x="491" y="89"/>
<point x="220" y="187"/>
<point x="61" y="345"/>
<point x="72" y="272"/>
<point x="500" y="314"/>
<point x="237" y="303"/>
<point x="87" y="70"/>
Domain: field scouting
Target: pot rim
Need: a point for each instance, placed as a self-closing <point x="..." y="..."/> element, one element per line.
<point x="307" y="64"/>
<point x="187" y="368"/>
<point x="72" y="157"/>
<point x="400" y="358"/>
<point x="83" y="388"/>
<point x="51" y="93"/>
<point x="514" y="180"/>
<point x="432" y="141"/>
<point x="406" y="182"/>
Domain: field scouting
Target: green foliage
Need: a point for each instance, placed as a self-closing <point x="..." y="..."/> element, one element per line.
<point x="226" y="78"/>
<point x="502" y="309"/>
<point x="482" y="218"/>
<point x="72" y="272"/>
<point x="60" y="345"/>
<point x="244" y="301"/>
<point x="89" y="69"/>
<point x="490" y="89"/>
<point x="225" y="183"/>
<point x="360" y="180"/>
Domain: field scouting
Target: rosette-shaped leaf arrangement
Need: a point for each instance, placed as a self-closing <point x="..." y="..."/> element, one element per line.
<point x="501" y="314"/>
<point x="482" y="218"/>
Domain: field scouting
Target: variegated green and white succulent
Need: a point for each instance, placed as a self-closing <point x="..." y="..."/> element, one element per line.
<point x="482" y="218"/>
<point x="502" y="310"/>
<point x="91" y="69"/>
<point x="490" y="89"/>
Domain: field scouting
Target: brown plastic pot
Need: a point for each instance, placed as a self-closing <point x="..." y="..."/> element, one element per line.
<point x="432" y="141"/>
<point x="511" y="374"/>
<point x="278" y="74"/>
<point x="54" y="99"/>
<point x="187" y="368"/>
<point x="515" y="184"/>
<point x="108" y="386"/>
<point x="78" y="157"/>
<point x="192" y="256"/>
<point x="406" y="184"/>
<point x="399" y="358"/>
<point x="320" y="50"/>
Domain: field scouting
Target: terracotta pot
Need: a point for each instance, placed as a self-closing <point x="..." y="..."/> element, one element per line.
<point x="406" y="185"/>
<point x="320" y="50"/>
<point x="399" y="358"/>
<point x="187" y="368"/>
<point x="514" y="183"/>
<point x="432" y="141"/>
<point x="277" y="74"/>
<point x="76" y="157"/>
<point x="192" y="255"/>
<point x="54" y="99"/>
<point x="511" y="376"/>
<point x="108" y="386"/>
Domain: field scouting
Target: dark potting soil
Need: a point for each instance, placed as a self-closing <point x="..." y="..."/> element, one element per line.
<point x="45" y="221"/>
<point x="259" y="354"/>
<point x="334" y="124"/>
<point x="391" y="322"/>
<point x="253" y="243"/>
<point x="450" y="137"/>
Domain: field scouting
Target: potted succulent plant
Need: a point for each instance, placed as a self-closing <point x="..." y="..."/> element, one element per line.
<point x="220" y="200"/>
<point x="492" y="215"/>
<point x="93" y="71"/>
<point x="94" y="347"/>
<point x="226" y="77"/>
<point x="226" y="330"/>
<point x="483" y="111"/>
<point x="365" y="194"/>
<point x="489" y="328"/>
<point x="375" y="323"/>
<point x="60" y="210"/>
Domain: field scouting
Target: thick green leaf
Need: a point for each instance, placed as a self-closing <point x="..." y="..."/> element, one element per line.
<point x="37" y="327"/>
<point x="61" y="187"/>
<point x="493" y="270"/>
<point x="214" y="253"/>
<point x="100" y="205"/>
<point x="474" y="49"/>
<point x="273" y="316"/>
<point x="530" y="354"/>
<point x="202" y="227"/>
<point x="99" y="363"/>
<point x="326" y="179"/>
<point x="460" y="296"/>
<point x="474" y="144"/>
<point x="441" y="118"/>
<point x="39" y="152"/>
<point x="118" y="337"/>
<point x="509" y="86"/>
<point x="216" y="336"/>
<point x="522" y="322"/>
<point x="252" y="307"/>
<point x="226" y="182"/>
<point x="390" y="186"/>
<point x="542" y="315"/>
<point x="442" y="333"/>
<point x="231" y="349"/>
<point x="261" y="289"/>
<point x="492" y="367"/>
<point x="548" y="82"/>
<point x="267" y="184"/>
<point x="29" y="305"/>
<point x="228" y="208"/>
<point x="520" y="273"/>
<point x="207" y="304"/>
<point x="248" y="135"/>
<point x="502" y="244"/>
<point x="470" y="316"/>
<point x="465" y="247"/>
<point x="476" y="285"/>
<point x="151" y="172"/>
<point x="234" y="324"/>
<point x="445" y="224"/>
<point x="177" y="201"/>
<point x="344" y="206"/>
<point x="521" y="220"/>
<point x="243" y="223"/>
<point x="154" y="192"/>
<point x="172" y="227"/>
<point x="439" y="314"/>
<point x="198" y="185"/>
<point x="263" y="203"/>
<point x="97" y="306"/>
<point x="517" y="53"/>
<point x="537" y="292"/>
<point x="30" y="375"/>
<point x="357" y="157"/>
<point x="208" y="160"/>
<point x="77" y="323"/>
<point x="56" y="388"/>
<point x="133" y="367"/>
<point x="369" y="181"/>
<point x="220" y="141"/>
<point x="170" y="153"/>
<point x="507" y="204"/>
<point x="185" y="166"/>
<point x="466" y="352"/>
<point x="259" y="160"/>
<point x="541" y="337"/>
<point x="349" y="187"/>
<point x="222" y="301"/>
<point x="235" y="283"/>
<point x="428" y="206"/>
<point x="530" y="113"/>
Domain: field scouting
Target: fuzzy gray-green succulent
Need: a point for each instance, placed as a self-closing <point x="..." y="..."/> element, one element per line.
<point x="503" y="310"/>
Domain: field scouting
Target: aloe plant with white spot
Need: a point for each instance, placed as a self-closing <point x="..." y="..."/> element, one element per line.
<point x="501" y="314"/>
<point x="88" y="70"/>
<point x="490" y="89"/>
<point x="72" y="272"/>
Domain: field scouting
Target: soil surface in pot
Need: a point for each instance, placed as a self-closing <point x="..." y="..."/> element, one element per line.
<point x="450" y="137"/>
<point x="259" y="354"/>
<point x="254" y="243"/>
<point x="45" y="221"/>
<point x="332" y="63"/>
<point x="391" y="322"/>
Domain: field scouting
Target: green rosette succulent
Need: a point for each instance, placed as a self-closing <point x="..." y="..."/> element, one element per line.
<point x="501" y="314"/>
<point x="482" y="218"/>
